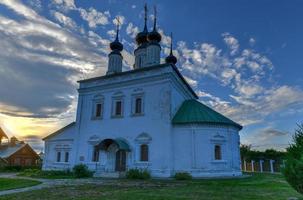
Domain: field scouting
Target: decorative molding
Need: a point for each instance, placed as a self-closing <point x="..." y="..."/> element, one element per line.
<point x="143" y="138"/>
<point x="94" y="140"/>
<point x="218" y="138"/>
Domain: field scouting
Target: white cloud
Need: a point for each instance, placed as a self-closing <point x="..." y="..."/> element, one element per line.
<point x="252" y="41"/>
<point x="245" y="73"/>
<point x="65" y="4"/>
<point x="40" y="45"/>
<point x="268" y="137"/>
<point x="111" y="33"/>
<point x="94" y="17"/>
<point x="132" y="30"/>
<point x="21" y="9"/>
<point x="231" y="42"/>
<point x="66" y="21"/>
<point x="192" y="82"/>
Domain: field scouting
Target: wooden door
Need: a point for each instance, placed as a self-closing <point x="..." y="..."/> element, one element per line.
<point x="121" y="161"/>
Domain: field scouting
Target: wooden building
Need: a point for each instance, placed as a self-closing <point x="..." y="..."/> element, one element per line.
<point x="17" y="153"/>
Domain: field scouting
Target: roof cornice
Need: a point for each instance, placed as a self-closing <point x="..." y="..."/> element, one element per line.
<point x="140" y="70"/>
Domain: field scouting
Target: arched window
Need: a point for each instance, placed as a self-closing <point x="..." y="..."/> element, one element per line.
<point x="66" y="156"/>
<point x="118" y="108"/>
<point x="96" y="154"/>
<point x="98" y="110"/>
<point x="58" y="156"/>
<point x="97" y="107"/>
<point x="144" y="152"/>
<point x="218" y="153"/>
<point x="138" y="106"/>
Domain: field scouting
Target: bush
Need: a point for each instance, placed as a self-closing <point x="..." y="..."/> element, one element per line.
<point x="138" y="174"/>
<point x="17" y="168"/>
<point x="50" y="174"/>
<point x="82" y="171"/>
<point x="183" y="176"/>
<point x="293" y="170"/>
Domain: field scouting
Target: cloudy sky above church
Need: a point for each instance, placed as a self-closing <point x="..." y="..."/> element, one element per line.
<point x="243" y="58"/>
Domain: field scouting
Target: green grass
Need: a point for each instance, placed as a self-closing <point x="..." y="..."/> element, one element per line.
<point x="36" y="173"/>
<point x="8" y="183"/>
<point x="259" y="186"/>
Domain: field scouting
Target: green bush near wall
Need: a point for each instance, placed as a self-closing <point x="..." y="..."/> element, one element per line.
<point x="183" y="176"/>
<point x="138" y="174"/>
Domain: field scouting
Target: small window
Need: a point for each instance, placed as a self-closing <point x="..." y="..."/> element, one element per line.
<point x="98" y="110"/>
<point x="58" y="156"/>
<point x="97" y="106"/>
<point x="138" y="106"/>
<point x="96" y="155"/>
<point x="66" y="156"/>
<point x="218" y="153"/>
<point x="144" y="152"/>
<point x="118" y="108"/>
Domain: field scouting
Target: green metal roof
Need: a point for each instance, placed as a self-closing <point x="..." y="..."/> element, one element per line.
<point x="192" y="111"/>
<point x="122" y="145"/>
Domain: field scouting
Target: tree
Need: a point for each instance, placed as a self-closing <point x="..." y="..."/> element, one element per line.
<point x="245" y="151"/>
<point x="293" y="170"/>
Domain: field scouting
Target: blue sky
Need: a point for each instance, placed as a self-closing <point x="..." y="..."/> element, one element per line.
<point x="243" y="58"/>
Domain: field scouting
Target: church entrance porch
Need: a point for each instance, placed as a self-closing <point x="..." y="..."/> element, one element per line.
<point x="112" y="157"/>
<point x="121" y="161"/>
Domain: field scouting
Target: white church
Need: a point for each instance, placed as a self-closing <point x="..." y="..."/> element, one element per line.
<point x="145" y="118"/>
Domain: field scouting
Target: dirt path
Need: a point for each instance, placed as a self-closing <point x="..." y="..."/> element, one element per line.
<point x="45" y="183"/>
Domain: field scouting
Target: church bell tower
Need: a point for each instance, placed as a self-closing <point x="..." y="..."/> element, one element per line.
<point x="115" y="58"/>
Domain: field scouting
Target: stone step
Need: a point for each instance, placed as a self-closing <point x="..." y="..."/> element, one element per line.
<point x="109" y="174"/>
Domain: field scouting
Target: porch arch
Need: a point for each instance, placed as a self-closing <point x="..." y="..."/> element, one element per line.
<point x="104" y="144"/>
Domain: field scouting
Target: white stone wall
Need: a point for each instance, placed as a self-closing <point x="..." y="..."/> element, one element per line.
<point x="153" y="54"/>
<point x="63" y="142"/>
<point x="155" y="122"/>
<point x="114" y="63"/>
<point x="194" y="150"/>
<point x="140" y="58"/>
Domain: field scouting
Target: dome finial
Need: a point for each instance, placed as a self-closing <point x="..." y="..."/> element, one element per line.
<point x="155" y="18"/>
<point x="116" y="45"/>
<point x="141" y="37"/>
<point x="145" y="17"/>
<point x="154" y="35"/>
<point x="171" y="43"/>
<point x="118" y="26"/>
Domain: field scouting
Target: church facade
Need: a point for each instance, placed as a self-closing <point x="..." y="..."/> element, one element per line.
<point x="147" y="118"/>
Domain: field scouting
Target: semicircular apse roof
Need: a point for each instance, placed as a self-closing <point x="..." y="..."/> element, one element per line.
<point x="193" y="111"/>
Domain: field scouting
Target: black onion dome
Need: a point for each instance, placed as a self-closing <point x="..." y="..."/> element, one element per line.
<point x="154" y="36"/>
<point x="116" y="45"/>
<point x="142" y="37"/>
<point x="171" y="59"/>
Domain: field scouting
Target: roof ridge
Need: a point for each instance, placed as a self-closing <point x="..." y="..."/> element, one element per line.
<point x="59" y="131"/>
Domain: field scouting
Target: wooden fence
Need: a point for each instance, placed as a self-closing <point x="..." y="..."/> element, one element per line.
<point x="272" y="166"/>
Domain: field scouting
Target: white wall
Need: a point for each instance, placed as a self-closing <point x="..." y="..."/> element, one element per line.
<point x="63" y="142"/>
<point x="155" y="121"/>
<point x="194" y="150"/>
